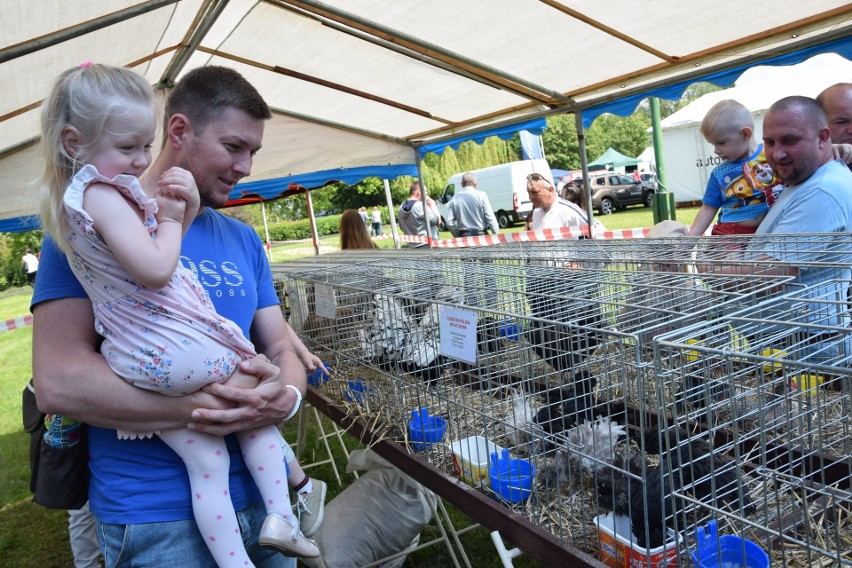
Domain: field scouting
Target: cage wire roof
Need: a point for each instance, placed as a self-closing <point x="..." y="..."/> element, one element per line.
<point x="358" y="87"/>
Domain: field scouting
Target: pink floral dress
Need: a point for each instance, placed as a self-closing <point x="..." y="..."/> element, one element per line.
<point x="170" y="340"/>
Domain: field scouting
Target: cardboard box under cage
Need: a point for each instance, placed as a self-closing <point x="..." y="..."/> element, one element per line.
<point x="470" y="459"/>
<point x="618" y="550"/>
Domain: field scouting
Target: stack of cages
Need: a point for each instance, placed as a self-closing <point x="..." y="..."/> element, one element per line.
<point x="538" y="360"/>
<point x="757" y="409"/>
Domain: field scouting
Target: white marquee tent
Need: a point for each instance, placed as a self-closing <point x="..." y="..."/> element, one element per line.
<point x="363" y="87"/>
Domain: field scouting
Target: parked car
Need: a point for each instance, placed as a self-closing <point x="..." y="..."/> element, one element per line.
<point x="649" y="181"/>
<point x="611" y="192"/>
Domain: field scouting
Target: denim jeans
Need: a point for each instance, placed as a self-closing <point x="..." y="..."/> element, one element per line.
<point x="179" y="543"/>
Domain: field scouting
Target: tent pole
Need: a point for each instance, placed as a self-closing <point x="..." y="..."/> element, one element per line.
<point x="664" y="200"/>
<point x="389" y="199"/>
<point x="423" y="190"/>
<point x="312" y="219"/>
<point x="584" y="165"/>
<point x="266" y="230"/>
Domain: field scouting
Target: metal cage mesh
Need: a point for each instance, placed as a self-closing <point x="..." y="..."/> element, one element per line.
<point x="634" y="376"/>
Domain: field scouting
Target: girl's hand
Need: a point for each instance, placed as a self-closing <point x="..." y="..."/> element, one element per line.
<point x="178" y="183"/>
<point x="312" y="362"/>
<point x="177" y="193"/>
<point x="170" y="208"/>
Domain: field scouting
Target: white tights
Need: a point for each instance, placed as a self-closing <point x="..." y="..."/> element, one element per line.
<point x="207" y="463"/>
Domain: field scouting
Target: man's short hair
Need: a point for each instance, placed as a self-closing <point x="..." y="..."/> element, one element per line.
<point x="726" y="116"/>
<point x="468" y="179"/>
<point x="813" y="113"/>
<point x="415" y="187"/>
<point x="203" y="94"/>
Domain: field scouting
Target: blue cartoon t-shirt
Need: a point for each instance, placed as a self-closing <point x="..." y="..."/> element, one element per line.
<point x="743" y="189"/>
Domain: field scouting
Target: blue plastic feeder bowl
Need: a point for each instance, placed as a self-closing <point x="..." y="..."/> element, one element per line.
<point x="316" y="378"/>
<point x="355" y="390"/>
<point x="726" y="551"/>
<point x="511" y="478"/>
<point x="510" y="330"/>
<point x="425" y="430"/>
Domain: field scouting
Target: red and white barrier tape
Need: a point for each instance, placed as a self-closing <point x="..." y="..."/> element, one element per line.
<point x="15" y="323"/>
<point x="528" y="236"/>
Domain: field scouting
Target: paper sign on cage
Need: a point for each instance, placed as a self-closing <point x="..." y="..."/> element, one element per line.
<point x="458" y="334"/>
<point x="325" y="301"/>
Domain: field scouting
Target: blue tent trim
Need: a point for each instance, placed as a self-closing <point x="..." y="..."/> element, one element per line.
<point x="20" y="224"/>
<point x="626" y="106"/>
<point x="535" y="127"/>
<point x="272" y="188"/>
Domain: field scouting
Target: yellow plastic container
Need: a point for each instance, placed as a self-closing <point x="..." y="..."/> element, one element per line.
<point x="692" y="355"/>
<point x="771" y="367"/>
<point x="470" y="459"/>
<point x="806" y="382"/>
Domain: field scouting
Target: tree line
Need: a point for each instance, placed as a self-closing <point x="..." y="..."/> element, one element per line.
<point x="629" y="135"/>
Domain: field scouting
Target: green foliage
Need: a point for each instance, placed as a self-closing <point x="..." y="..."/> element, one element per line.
<point x="12" y="247"/>
<point x="694" y="91"/>
<point x="301" y="229"/>
<point x="560" y="142"/>
<point x="627" y="134"/>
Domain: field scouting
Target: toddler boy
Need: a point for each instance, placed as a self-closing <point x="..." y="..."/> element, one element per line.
<point x="743" y="186"/>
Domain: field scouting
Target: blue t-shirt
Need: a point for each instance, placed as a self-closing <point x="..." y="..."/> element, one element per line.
<point x="144" y="481"/>
<point x="821" y="204"/>
<point x="735" y="189"/>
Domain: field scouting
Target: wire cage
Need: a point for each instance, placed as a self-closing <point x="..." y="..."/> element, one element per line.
<point x="756" y="254"/>
<point x="776" y="401"/>
<point x="553" y="364"/>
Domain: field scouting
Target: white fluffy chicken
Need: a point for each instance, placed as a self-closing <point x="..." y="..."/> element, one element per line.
<point x="590" y="445"/>
<point x="522" y="430"/>
<point x="387" y="327"/>
<point x="396" y="340"/>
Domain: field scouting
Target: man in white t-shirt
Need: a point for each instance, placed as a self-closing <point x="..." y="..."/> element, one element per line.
<point x="551" y="211"/>
<point x="30" y="265"/>
<point x="554" y="300"/>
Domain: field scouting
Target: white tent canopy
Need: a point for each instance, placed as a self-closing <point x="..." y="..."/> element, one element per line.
<point x="359" y="85"/>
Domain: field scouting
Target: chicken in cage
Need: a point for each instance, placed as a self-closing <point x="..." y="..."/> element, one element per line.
<point x="785" y="417"/>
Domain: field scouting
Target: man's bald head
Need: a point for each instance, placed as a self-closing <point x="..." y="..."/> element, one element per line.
<point x="796" y="138"/>
<point x="836" y="101"/>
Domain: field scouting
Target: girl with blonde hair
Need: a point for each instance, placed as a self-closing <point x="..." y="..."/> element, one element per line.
<point x="122" y="233"/>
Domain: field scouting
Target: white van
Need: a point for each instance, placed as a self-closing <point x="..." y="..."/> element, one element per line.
<point x="506" y="187"/>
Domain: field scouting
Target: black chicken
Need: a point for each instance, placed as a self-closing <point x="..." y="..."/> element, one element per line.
<point x="709" y="478"/>
<point x="566" y="407"/>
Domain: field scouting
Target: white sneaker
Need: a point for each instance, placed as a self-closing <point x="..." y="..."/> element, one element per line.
<point x="279" y="534"/>
<point x="310" y="507"/>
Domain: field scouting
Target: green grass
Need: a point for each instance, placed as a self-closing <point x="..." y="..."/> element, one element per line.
<point x="34" y="537"/>
<point x="30" y="535"/>
<point x="630" y="218"/>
